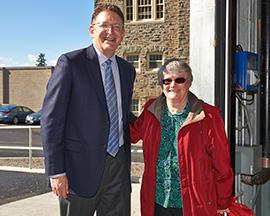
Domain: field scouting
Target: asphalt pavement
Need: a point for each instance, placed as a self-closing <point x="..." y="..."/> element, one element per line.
<point x="16" y="185"/>
<point x="25" y="192"/>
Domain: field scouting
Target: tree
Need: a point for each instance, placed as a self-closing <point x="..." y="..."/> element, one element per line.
<point x="41" y="61"/>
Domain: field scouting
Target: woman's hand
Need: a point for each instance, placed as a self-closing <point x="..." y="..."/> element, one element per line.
<point x="223" y="211"/>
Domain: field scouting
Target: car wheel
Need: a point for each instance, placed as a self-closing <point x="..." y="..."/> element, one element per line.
<point x="15" y="120"/>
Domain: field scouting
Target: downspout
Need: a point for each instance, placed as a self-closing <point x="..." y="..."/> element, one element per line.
<point x="265" y="84"/>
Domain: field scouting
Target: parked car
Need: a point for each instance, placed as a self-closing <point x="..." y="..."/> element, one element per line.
<point x="13" y="114"/>
<point x="33" y="118"/>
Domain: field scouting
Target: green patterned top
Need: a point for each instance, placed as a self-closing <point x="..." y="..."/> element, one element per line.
<point x="168" y="193"/>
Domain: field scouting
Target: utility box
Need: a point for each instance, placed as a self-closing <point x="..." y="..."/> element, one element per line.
<point x="246" y="76"/>
<point x="248" y="159"/>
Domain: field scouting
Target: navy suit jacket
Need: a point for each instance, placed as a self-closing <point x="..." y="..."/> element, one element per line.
<point x="75" y="120"/>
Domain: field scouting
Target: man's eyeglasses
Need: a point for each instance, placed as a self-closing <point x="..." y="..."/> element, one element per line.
<point x="179" y="80"/>
<point x="106" y="26"/>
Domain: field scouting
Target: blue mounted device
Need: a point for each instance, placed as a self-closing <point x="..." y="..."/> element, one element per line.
<point x="246" y="76"/>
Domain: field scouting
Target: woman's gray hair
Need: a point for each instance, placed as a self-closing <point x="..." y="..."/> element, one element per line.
<point x="174" y="65"/>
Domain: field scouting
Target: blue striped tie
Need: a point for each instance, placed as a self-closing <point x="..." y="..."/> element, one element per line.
<point x="111" y="98"/>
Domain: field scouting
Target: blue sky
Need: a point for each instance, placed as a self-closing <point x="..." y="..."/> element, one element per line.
<point x="53" y="27"/>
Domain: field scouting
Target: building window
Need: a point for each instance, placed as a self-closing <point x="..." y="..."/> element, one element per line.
<point x="154" y="61"/>
<point x="135" y="107"/>
<point x="137" y="10"/>
<point x="144" y="9"/>
<point x="134" y="60"/>
<point x="159" y="10"/>
<point x="129" y="10"/>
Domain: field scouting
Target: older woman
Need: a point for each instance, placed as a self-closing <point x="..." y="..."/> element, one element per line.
<point x="187" y="163"/>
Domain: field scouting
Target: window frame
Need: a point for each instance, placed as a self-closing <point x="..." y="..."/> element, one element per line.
<point x="136" y="112"/>
<point x="138" y="61"/>
<point x="129" y="8"/>
<point x="135" y="11"/>
<point x="160" y="62"/>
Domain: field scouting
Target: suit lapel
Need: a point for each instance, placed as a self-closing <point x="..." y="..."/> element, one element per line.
<point x="95" y="74"/>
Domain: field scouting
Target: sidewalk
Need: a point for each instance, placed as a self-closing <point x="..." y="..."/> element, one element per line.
<point x="47" y="204"/>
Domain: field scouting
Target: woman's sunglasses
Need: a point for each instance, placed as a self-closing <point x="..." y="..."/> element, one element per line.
<point x="179" y="80"/>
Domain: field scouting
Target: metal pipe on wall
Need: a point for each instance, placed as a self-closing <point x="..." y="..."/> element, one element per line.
<point x="231" y="45"/>
<point x="265" y="83"/>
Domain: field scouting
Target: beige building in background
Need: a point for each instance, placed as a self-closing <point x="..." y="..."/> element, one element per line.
<point x="24" y="85"/>
<point x="156" y="30"/>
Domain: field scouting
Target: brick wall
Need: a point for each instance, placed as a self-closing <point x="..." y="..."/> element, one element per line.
<point x="24" y="85"/>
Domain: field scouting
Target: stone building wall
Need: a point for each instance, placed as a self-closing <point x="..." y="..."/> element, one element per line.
<point x="24" y="85"/>
<point x="169" y="36"/>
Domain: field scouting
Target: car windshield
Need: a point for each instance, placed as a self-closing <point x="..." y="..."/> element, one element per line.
<point x="5" y="108"/>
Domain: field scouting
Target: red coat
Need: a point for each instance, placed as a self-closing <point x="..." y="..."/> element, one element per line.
<point x="205" y="172"/>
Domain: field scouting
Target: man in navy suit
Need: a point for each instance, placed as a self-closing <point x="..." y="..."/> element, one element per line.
<point x="76" y="123"/>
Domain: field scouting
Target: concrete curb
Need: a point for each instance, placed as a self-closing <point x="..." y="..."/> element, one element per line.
<point x="134" y="179"/>
<point x="21" y="169"/>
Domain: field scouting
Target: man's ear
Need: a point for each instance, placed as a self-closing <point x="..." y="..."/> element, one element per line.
<point x="91" y="30"/>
